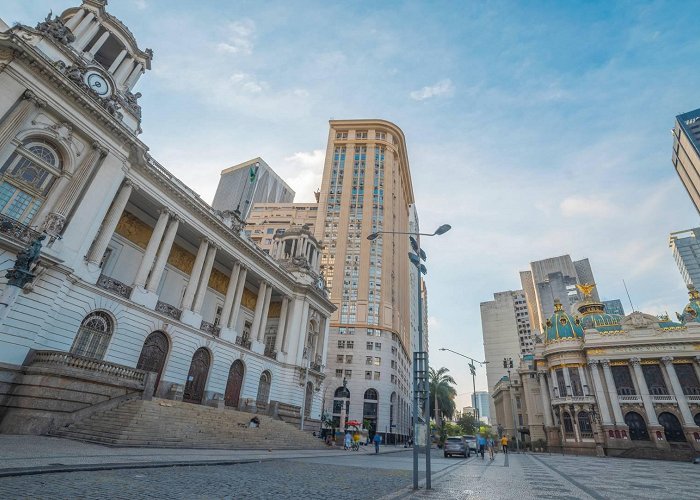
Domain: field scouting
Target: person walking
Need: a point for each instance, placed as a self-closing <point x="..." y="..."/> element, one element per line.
<point x="348" y="440"/>
<point x="377" y="439"/>
<point x="504" y="444"/>
<point x="482" y="445"/>
<point x="490" y="445"/>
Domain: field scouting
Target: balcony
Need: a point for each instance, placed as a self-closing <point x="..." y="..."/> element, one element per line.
<point x="663" y="398"/>
<point x="243" y="342"/>
<point x="16" y="230"/>
<point x="630" y="398"/>
<point x="270" y="353"/>
<point x="168" y="310"/>
<point x="693" y="398"/>
<point x="210" y="328"/>
<point x="315" y="365"/>
<point x="115" y="286"/>
<point x="573" y="399"/>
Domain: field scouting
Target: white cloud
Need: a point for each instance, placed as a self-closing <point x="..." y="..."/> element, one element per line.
<point x="248" y="83"/>
<point x="582" y="206"/>
<point x="239" y="37"/>
<point x="433" y="323"/>
<point x="140" y="4"/>
<point x="303" y="172"/>
<point x="441" y="88"/>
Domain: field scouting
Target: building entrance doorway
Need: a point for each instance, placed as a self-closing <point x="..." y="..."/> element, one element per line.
<point x="197" y="377"/>
<point x="235" y="382"/>
<point x="153" y="354"/>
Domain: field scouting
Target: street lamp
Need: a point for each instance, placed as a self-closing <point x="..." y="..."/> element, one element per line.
<point x="420" y="357"/>
<point x="472" y="369"/>
<point x="508" y="365"/>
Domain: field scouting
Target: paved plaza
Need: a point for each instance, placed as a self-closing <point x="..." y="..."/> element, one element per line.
<point x="324" y="474"/>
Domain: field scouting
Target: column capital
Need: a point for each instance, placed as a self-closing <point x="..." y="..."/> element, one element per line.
<point x="165" y="210"/>
<point x="96" y="145"/>
<point x="604" y="362"/>
<point x="635" y="361"/>
<point x="667" y="360"/>
<point x="30" y="95"/>
<point x="130" y="182"/>
<point x="593" y="362"/>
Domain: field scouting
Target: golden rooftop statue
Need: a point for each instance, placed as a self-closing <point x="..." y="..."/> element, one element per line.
<point x="586" y="289"/>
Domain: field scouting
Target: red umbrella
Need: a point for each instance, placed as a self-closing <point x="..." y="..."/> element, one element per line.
<point x="354" y="423"/>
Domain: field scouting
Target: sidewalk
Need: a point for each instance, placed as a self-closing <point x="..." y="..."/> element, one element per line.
<point x="26" y="455"/>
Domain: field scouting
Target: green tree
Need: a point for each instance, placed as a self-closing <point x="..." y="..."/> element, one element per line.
<point x="442" y="394"/>
<point x="469" y="424"/>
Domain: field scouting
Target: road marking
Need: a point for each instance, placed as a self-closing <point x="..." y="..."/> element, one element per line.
<point x="569" y="479"/>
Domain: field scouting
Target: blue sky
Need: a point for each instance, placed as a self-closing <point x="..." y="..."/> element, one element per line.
<point x="535" y="129"/>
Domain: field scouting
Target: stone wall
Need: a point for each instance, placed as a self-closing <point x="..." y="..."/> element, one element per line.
<point x="53" y="389"/>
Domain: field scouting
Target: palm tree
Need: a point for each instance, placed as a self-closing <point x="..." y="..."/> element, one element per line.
<point x="442" y="393"/>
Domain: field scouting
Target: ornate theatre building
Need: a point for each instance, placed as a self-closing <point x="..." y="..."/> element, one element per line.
<point x="607" y="384"/>
<point x="138" y="286"/>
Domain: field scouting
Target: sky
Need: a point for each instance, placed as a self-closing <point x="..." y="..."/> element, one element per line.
<point x="535" y="129"/>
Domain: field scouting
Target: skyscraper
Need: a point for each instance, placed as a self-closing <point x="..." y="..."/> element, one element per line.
<point x="506" y="332"/>
<point x="686" y="153"/>
<point x="366" y="188"/>
<point x="481" y="401"/>
<point x="614" y="307"/>
<point x="247" y="183"/>
<point x="552" y="279"/>
<point x="686" y="251"/>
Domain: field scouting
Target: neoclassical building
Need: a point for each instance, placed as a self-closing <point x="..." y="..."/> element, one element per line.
<point x="136" y="271"/>
<point x="604" y="383"/>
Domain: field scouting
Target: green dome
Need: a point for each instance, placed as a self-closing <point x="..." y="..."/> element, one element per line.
<point x="593" y="315"/>
<point x="561" y="326"/>
<point x="691" y="313"/>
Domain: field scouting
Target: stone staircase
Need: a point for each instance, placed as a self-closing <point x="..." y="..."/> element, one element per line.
<point x="162" y="423"/>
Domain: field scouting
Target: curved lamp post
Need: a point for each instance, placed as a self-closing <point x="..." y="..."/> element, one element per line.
<point x="420" y="357"/>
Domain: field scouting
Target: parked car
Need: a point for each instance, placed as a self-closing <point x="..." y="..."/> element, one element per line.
<point x="471" y="442"/>
<point x="456" y="446"/>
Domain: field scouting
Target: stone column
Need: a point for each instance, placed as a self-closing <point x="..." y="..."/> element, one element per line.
<point x="83" y="25"/>
<point x="98" y="44"/>
<point x="230" y="295"/>
<point x="151" y="249"/>
<point x="688" y="420"/>
<point x="191" y="289"/>
<point x="84" y="38"/>
<point x="56" y="219"/>
<point x="584" y="380"/>
<point x="282" y="325"/>
<point x="240" y="287"/>
<point x="124" y="69"/>
<point x="612" y="392"/>
<point x="644" y="390"/>
<point x="27" y="102"/>
<point x="110" y="224"/>
<point x="600" y="394"/>
<point x="204" y="280"/>
<point x="259" y="306"/>
<point x="546" y="405"/>
<point x="567" y="380"/>
<point x="163" y="255"/>
<point x="73" y="21"/>
<point x="117" y="61"/>
<point x="265" y="312"/>
<point x="303" y="332"/>
<point x="134" y="76"/>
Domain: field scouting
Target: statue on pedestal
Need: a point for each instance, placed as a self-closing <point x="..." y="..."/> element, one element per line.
<point x="21" y="273"/>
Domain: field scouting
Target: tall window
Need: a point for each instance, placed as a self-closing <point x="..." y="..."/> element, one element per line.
<point x="26" y="178"/>
<point x="94" y="334"/>
<point x="623" y="380"/>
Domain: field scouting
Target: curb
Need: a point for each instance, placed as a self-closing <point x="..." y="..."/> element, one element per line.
<point x="58" y="468"/>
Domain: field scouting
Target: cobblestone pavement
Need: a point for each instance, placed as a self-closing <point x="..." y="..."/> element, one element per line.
<point x="368" y="476"/>
<point x="544" y="476"/>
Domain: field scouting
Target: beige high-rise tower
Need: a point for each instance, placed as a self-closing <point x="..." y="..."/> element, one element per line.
<point x="367" y="188"/>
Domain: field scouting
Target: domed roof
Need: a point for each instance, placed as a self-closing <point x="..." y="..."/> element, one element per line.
<point x="691" y="313"/>
<point x="561" y="326"/>
<point x="593" y="315"/>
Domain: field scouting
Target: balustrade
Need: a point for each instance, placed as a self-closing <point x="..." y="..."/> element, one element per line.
<point x="73" y="361"/>
<point x="210" y="328"/>
<point x="270" y="353"/>
<point x="168" y="310"/>
<point x="243" y="342"/>
<point x="16" y="230"/>
<point x="112" y="285"/>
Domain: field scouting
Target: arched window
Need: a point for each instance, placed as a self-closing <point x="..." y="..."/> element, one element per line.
<point x="637" y="426"/>
<point x="342" y="392"/>
<point x="369" y="410"/>
<point x="94" y="334"/>
<point x="584" y="425"/>
<point x="264" y="387"/>
<point x="371" y="394"/>
<point x="672" y="428"/>
<point x="26" y="178"/>
<point x="568" y="425"/>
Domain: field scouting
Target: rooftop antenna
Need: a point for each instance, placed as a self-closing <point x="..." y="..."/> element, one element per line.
<point x="628" y="295"/>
